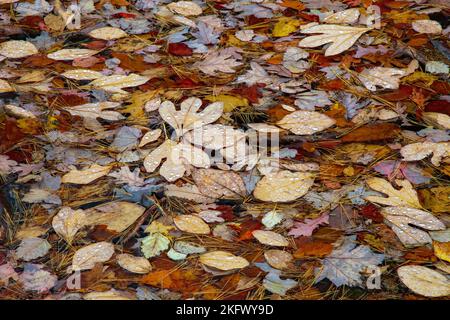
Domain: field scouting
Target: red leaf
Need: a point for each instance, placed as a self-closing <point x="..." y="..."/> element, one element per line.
<point x="179" y="49"/>
<point x="440" y="106"/>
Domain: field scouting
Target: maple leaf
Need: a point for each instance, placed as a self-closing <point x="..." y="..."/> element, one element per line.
<point x="306" y="228"/>
<point x="222" y="60"/>
<point x="345" y="264"/>
<point x="126" y="176"/>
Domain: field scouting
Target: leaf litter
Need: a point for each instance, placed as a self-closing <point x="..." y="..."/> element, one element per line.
<point x="127" y="150"/>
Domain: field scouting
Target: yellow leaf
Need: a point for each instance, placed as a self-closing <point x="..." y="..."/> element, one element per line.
<point x="158" y="227"/>
<point x="285" y="26"/>
<point x="442" y="250"/>
<point x="229" y="102"/>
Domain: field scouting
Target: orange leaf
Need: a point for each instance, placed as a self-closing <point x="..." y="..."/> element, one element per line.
<point x="375" y="132"/>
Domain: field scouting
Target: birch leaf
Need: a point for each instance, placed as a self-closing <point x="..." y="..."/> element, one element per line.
<point x="17" y="49"/>
<point x="424" y="281"/>
<point x="71" y="54"/>
<point x="97" y="110"/>
<point x="223" y="260"/>
<point x="404" y="222"/>
<point x="306" y="122"/>
<point x="32" y="248"/>
<point x="191" y="224"/>
<point x="86" y="175"/>
<point x="82" y="74"/>
<point x="153" y="244"/>
<point x="340" y="37"/>
<point x="283" y="186"/>
<point x="188" y="117"/>
<point x="270" y="238"/>
<point x="86" y="257"/>
<point x="67" y="222"/>
<point x="134" y="264"/>
<point x="405" y="197"/>
<point x="108" y="33"/>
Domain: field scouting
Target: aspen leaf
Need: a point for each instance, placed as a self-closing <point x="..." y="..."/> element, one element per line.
<point x="306" y="122"/>
<point x="16" y="49"/>
<point x="134" y="264"/>
<point x="108" y="33"/>
<point x="278" y="259"/>
<point x="185" y="8"/>
<point x="340" y="37"/>
<point x="116" y="83"/>
<point x="71" y="54"/>
<point x="191" y="224"/>
<point x="86" y="175"/>
<point x="442" y="250"/>
<point x="285" y="26"/>
<point x="283" y="186"/>
<point x="86" y="257"/>
<point x="67" y="222"/>
<point x="223" y="260"/>
<point x="117" y="215"/>
<point x="270" y="238"/>
<point x="424" y="281"/>
<point x="82" y="74"/>
<point x="153" y="244"/>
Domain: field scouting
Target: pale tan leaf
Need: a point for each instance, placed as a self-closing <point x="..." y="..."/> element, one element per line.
<point x="188" y="192"/>
<point x="191" y="224"/>
<point x="108" y="33"/>
<point x="386" y="78"/>
<point x="421" y="150"/>
<point x="134" y="264"/>
<point x="82" y="74"/>
<point x="264" y="127"/>
<point x="405" y="197"/>
<point x="188" y="117"/>
<point x="16" y="49"/>
<point x="185" y="8"/>
<point x="86" y="175"/>
<point x="218" y="183"/>
<point x="348" y="16"/>
<point x="117" y="216"/>
<point x="86" y="257"/>
<point x="283" y="186"/>
<point x="340" y="37"/>
<point x="223" y="260"/>
<point x="214" y="136"/>
<point x="5" y="86"/>
<point x="278" y="259"/>
<point x="67" y="222"/>
<point x="116" y="83"/>
<point x="424" y="281"/>
<point x="149" y="137"/>
<point x="437" y="119"/>
<point x="404" y="222"/>
<point x="270" y="238"/>
<point x="111" y="294"/>
<point x="96" y="110"/>
<point x="18" y="112"/>
<point x="71" y="54"/>
<point x="427" y="26"/>
<point x="306" y="122"/>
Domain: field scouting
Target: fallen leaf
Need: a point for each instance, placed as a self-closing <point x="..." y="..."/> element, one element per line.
<point x="86" y="257"/>
<point x="424" y="281"/>
<point x="223" y="260"/>
<point x="306" y="122"/>
<point x="191" y="224"/>
<point x="86" y="175"/>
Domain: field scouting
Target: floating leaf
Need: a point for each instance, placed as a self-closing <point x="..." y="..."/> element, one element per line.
<point x="223" y="260"/>
<point x="306" y="122"/>
<point x="340" y="37"/>
<point x="424" y="281"/>
<point x="86" y="257"/>
<point x="283" y="186"/>
<point x="86" y="175"/>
